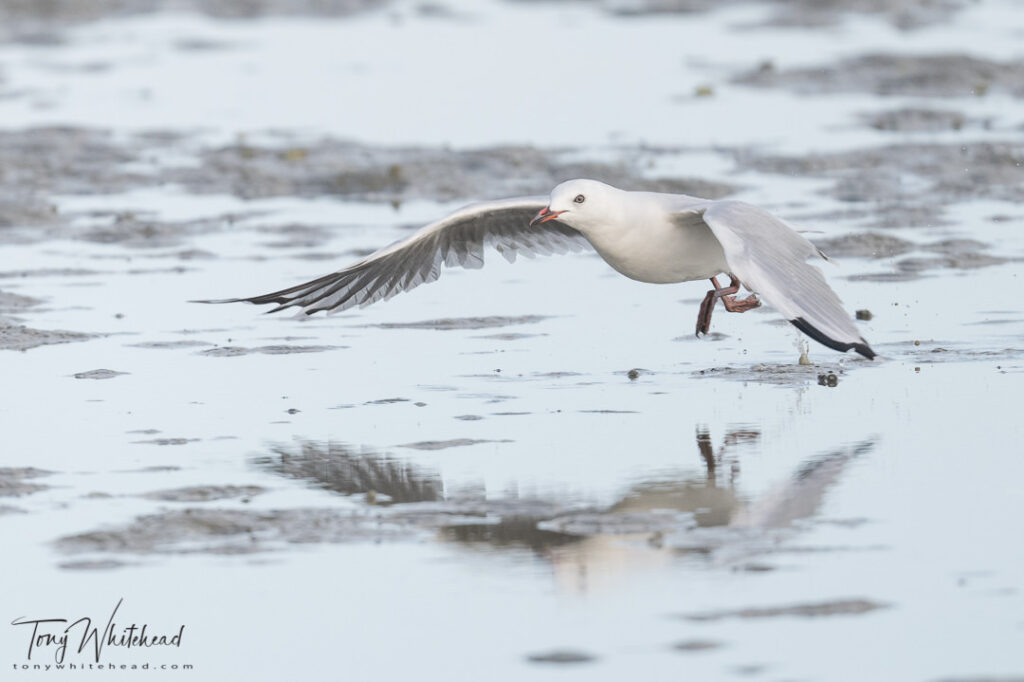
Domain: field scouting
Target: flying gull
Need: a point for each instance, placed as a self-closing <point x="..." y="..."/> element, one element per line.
<point x="647" y="236"/>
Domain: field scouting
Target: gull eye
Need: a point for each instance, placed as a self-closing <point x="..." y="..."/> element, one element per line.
<point x="579" y="199"/>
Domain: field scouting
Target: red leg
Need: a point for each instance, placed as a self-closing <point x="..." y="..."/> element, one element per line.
<point x="707" y="306"/>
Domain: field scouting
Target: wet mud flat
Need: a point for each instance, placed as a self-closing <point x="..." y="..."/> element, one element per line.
<point x="42" y="162"/>
<point x="537" y="461"/>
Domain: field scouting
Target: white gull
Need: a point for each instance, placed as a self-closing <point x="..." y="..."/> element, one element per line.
<point x="647" y="236"/>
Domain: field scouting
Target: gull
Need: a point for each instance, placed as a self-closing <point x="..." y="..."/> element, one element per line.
<point x="647" y="236"/>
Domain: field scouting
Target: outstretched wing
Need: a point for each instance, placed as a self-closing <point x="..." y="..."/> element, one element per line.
<point x="770" y="258"/>
<point x="456" y="240"/>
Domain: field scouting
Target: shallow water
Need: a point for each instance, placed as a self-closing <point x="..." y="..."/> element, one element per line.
<point x="533" y="470"/>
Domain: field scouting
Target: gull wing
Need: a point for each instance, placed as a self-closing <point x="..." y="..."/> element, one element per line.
<point x="456" y="240"/>
<point x="770" y="258"/>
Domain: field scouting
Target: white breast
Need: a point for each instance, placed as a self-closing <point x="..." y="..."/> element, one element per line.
<point x="651" y="247"/>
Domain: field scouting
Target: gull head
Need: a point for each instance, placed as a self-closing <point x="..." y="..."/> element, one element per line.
<point x="580" y="204"/>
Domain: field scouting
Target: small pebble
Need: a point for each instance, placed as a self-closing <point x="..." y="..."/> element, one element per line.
<point x="633" y="374"/>
<point x="864" y="314"/>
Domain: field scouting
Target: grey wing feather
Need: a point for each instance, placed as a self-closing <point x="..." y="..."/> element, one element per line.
<point x="770" y="258"/>
<point x="456" y="240"/>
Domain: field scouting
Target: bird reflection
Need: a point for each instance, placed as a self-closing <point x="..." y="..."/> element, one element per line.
<point x="652" y="522"/>
<point x="339" y="468"/>
<point x="711" y="503"/>
<point x="726" y="528"/>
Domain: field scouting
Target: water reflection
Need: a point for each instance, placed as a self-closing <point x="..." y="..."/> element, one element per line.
<point x="801" y="496"/>
<point x="725" y="528"/>
<point x="653" y="522"/>
<point x="405" y="488"/>
<point x="339" y="468"/>
<point x="710" y="502"/>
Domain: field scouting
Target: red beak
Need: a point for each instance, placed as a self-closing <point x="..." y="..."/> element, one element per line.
<point x="545" y="215"/>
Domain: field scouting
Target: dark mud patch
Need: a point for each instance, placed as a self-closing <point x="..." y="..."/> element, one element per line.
<point x="512" y="336"/>
<point x="690" y="646"/>
<point x="932" y="353"/>
<point x="707" y="338"/>
<point x="166" y="441"/>
<point x="15" y="302"/>
<point x="15" y="336"/>
<point x="228" y="531"/>
<point x="947" y="254"/>
<point x="906" y="185"/>
<point x="387" y="401"/>
<point x="16" y="481"/>
<point x="453" y="323"/>
<point x="50" y="272"/>
<point x="41" y="23"/>
<point x="298" y="236"/>
<point x="20" y="337"/>
<point x="93" y="565"/>
<point x="840" y="607"/>
<point x="21" y="211"/>
<point x="141" y="231"/>
<point x="237" y="351"/>
<point x="367" y="173"/>
<point x="936" y="75"/>
<point x="781" y="375"/>
<point x="98" y="374"/>
<point x="903" y="14"/>
<point x="159" y="468"/>
<point x="445" y="444"/>
<point x="40" y="162"/>
<point x="916" y="120"/>
<point x="562" y="657"/>
<point x="865" y="245"/>
<point x="204" y="493"/>
<point x="170" y="345"/>
<point x="961" y="261"/>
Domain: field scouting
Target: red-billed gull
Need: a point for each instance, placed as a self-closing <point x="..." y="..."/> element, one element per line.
<point x="647" y="236"/>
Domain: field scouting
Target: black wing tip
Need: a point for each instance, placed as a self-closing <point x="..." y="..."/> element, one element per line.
<point x="842" y="346"/>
